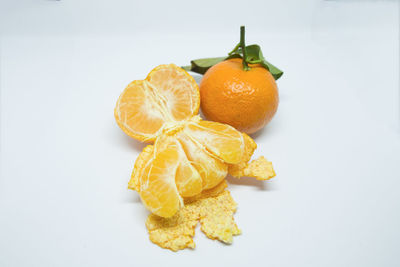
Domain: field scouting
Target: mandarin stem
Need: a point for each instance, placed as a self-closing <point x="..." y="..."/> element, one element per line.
<point x="243" y="45"/>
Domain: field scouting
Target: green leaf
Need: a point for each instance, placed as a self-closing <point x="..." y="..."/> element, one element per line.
<point x="277" y="73"/>
<point x="207" y="62"/>
<point x="254" y="56"/>
<point x="187" y="68"/>
<point x="203" y="64"/>
<point x="234" y="55"/>
<point x="254" y="53"/>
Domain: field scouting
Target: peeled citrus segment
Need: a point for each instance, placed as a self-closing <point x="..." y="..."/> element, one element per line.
<point x="211" y="169"/>
<point x="212" y="192"/>
<point x="236" y="170"/>
<point x="168" y="94"/>
<point x="137" y="112"/>
<point x="178" y="90"/>
<point x="157" y="188"/>
<point x="220" y="139"/>
<point x="188" y="180"/>
<point x="139" y="169"/>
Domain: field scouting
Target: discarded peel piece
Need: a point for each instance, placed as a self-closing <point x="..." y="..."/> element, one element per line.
<point x="214" y="213"/>
<point x="261" y="169"/>
<point x="174" y="233"/>
<point x="216" y="217"/>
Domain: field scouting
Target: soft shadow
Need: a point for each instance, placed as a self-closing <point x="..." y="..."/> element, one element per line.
<point x="202" y="115"/>
<point x="196" y="77"/>
<point x="133" y="197"/>
<point x="121" y="139"/>
<point x="268" y="129"/>
<point x="129" y="196"/>
<point x="249" y="181"/>
<point x="129" y="141"/>
<point x="258" y="133"/>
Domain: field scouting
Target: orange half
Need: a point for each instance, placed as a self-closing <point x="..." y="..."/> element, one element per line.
<point x="168" y="94"/>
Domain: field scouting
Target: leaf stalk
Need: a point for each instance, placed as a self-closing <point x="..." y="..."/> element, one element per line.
<point x="243" y="46"/>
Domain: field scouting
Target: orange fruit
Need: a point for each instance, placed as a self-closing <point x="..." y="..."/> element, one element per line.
<point x="189" y="156"/>
<point x="246" y="100"/>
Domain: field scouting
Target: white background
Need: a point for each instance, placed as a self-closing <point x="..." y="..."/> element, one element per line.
<point x="335" y="141"/>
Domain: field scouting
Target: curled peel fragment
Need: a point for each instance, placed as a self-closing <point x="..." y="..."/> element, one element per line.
<point x="216" y="217"/>
<point x="214" y="210"/>
<point x="261" y="169"/>
<point x="174" y="233"/>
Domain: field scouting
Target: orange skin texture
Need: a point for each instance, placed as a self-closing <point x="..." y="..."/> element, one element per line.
<point x="246" y="100"/>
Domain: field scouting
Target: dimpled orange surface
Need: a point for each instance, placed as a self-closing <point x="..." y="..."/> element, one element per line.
<point x="180" y="177"/>
<point x="246" y="100"/>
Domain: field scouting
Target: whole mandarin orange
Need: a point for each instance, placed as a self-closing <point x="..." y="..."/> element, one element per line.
<point x="246" y="100"/>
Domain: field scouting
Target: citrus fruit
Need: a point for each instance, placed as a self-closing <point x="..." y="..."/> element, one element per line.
<point x="244" y="99"/>
<point x="189" y="156"/>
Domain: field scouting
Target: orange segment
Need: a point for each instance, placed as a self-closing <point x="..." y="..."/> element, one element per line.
<point x="187" y="179"/>
<point x="141" y="164"/>
<point x="220" y="139"/>
<point x="211" y="169"/>
<point x="236" y="170"/>
<point x="168" y="94"/>
<point x="137" y="113"/>
<point x="212" y="192"/>
<point x="158" y="189"/>
<point x="178" y="90"/>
